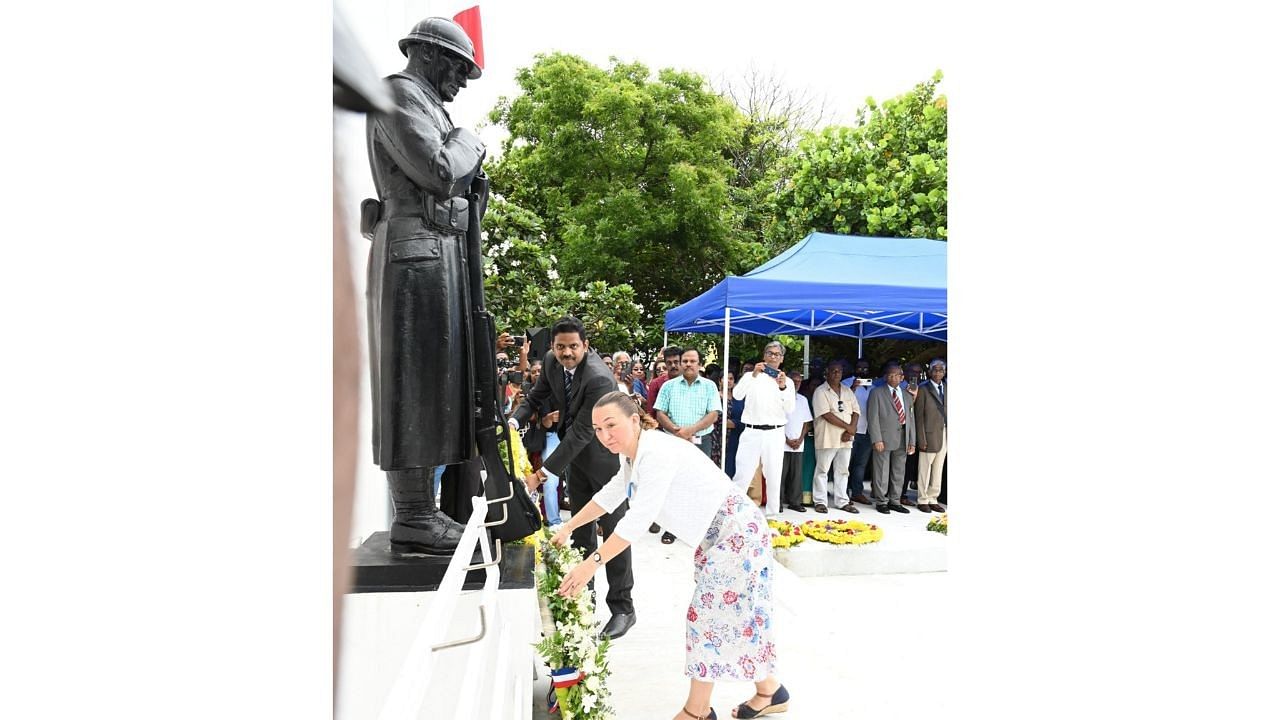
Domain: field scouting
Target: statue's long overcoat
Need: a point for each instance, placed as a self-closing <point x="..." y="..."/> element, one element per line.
<point x="417" y="293"/>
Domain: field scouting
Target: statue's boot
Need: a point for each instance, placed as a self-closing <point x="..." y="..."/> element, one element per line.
<point x="419" y="527"/>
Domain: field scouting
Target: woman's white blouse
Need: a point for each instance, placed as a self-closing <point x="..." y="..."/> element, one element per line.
<point x="672" y="483"/>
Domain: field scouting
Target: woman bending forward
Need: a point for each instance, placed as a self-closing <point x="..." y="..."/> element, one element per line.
<point x="729" y="633"/>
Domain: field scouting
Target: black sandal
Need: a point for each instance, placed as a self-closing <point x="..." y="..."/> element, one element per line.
<point x="777" y="703"/>
<point x="668" y="538"/>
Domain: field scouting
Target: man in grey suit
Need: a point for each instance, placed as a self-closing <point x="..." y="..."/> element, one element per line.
<point x="573" y="378"/>
<point x="891" y="427"/>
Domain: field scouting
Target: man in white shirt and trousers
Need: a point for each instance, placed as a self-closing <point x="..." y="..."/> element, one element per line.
<point x="769" y="397"/>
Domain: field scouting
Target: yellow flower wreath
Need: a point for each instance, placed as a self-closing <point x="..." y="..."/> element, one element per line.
<point x="842" y="532"/>
<point x="784" y="534"/>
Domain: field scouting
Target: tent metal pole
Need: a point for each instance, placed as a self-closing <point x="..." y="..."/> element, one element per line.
<point x="724" y="401"/>
<point x="664" y="341"/>
<point x="805" y="370"/>
<point x="860" y="327"/>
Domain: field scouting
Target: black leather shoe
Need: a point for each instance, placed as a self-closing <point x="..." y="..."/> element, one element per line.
<point x="797" y="508"/>
<point x="923" y="507"/>
<point x="898" y="508"/>
<point x="618" y="625"/>
<point x="882" y="509"/>
<point x="653" y="528"/>
<point x="668" y="538"/>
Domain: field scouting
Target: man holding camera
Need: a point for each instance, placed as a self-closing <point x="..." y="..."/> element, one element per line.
<point x="769" y="397"/>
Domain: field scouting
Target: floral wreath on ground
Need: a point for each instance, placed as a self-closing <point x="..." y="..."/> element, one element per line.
<point x="577" y="658"/>
<point x="842" y="532"/>
<point x="785" y="534"/>
<point x="938" y="524"/>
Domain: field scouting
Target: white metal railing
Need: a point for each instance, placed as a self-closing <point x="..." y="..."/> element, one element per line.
<point x="405" y="699"/>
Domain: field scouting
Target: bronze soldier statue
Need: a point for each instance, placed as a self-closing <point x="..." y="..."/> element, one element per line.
<point x="419" y="295"/>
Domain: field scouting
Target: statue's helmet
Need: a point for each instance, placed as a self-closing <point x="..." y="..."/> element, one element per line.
<point x="444" y="33"/>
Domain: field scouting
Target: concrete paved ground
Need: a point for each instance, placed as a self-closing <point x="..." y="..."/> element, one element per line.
<point x="857" y="646"/>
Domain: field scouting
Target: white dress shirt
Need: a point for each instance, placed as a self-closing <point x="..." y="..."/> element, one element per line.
<point x="765" y="403"/>
<point x="860" y="392"/>
<point x="673" y="483"/>
<point x="796" y="419"/>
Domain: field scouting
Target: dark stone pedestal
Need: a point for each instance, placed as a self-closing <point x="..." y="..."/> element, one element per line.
<point x="376" y="569"/>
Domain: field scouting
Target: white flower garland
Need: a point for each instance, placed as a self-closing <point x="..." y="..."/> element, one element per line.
<point x="570" y="640"/>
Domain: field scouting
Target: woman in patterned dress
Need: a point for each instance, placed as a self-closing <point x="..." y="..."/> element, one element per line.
<point x="729" y="625"/>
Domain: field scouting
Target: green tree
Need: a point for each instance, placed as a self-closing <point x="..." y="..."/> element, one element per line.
<point x="523" y="288"/>
<point x="630" y="175"/>
<point x="886" y="176"/>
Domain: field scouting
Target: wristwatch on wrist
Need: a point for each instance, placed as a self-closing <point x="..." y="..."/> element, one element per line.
<point x="596" y="557"/>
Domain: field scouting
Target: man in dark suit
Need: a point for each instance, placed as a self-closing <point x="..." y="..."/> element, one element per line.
<point x="891" y="426"/>
<point x="573" y="378"/>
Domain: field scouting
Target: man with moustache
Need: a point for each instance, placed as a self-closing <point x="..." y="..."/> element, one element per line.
<point x="573" y="379"/>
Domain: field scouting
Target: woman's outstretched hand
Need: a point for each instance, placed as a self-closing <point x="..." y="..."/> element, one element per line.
<point x="561" y="537"/>
<point x="577" y="578"/>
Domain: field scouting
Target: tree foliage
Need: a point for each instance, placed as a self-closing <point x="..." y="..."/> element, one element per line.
<point x="886" y="176"/>
<point x="523" y="288"/>
<point x="629" y="174"/>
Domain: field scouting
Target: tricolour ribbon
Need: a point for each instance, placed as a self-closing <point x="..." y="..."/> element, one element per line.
<point x="565" y="677"/>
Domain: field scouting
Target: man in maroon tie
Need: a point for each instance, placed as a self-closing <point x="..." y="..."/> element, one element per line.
<point x="891" y="427"/>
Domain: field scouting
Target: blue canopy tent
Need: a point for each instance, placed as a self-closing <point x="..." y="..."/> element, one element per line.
<point x="849" y="285"/>
<point x="863" y="287"/>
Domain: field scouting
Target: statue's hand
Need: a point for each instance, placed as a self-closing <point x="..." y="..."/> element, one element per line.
<point x="480" y="188"/>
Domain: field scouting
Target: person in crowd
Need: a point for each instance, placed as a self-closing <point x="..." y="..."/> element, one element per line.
<point x="687" y="407"/>
<point x="891" y="426"/>
<point x="531" y="377"/>
<point x="931" y="436"/>
<point x="622" y="371"/>
<point x="735" y="425"/>
<point x="671" y="360"/>
<point x="639" y="384"/>
<point x="860" y="383"/>
<point x="835" y="411"/>
<point x="913" y="375"/>
<point x="770" y="396"/>
<point x="797" y="427"/>
<point x="581" y="379"/>
<point x="729" y="630"/>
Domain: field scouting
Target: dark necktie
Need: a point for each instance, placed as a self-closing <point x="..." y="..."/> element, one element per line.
<point x="568" y="387"/>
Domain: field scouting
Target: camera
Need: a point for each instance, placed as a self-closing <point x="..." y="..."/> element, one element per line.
<point x="518" y="341"/>
<point x="514" y="377"/>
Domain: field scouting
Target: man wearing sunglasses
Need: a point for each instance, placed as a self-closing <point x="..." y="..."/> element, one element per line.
<point x="835" y="413"/>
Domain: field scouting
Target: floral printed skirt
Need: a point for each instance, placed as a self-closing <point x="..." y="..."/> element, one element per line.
<point x="729" y="634"/>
